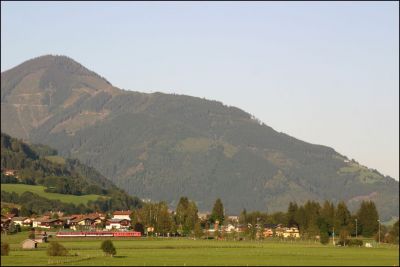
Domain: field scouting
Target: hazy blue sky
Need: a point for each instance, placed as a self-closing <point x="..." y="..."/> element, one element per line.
<point x="323" y="72"/>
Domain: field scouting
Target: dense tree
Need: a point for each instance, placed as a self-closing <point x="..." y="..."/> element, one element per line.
<point x="243" y="217"/>
<point x="56" y="249"/>
<point x="342" y="217"/>
<point x="291" y="214"/>
<point x="368" y="218"/>
<point x="344" y="237"/>
<point x="5" y="248"/>
<point x="311" y="210"/>
<point x="138" y="227"/>
<point x="328" y="213"/>
<point x="108" y="248"/>
<point x="301" y="219"/>
<point x="393" y="235"/>
<point x="182" y="210"/>
<point x="12" y="228"/>
<point x="217" y="213"/>
<point x="163" y="219"/>
<point x="186" y="215"/>
<point x="276" y="217"/>
<point x="198" y="233"/>
<point x="324" y="237"/>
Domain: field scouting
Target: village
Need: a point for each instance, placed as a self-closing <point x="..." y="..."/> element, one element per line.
<point x="119" y="224"/>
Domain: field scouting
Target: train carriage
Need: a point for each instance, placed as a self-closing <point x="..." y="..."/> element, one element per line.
<point x="99" y="234"/>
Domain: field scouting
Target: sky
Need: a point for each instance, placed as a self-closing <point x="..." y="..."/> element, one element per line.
<point x="323" y="72"/>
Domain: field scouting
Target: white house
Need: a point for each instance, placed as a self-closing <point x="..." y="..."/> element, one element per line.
<point x="22" y="221"/>
<point x="121" y="214"/>
<point x="117" y="224"/>
<point x="230" y="228"/>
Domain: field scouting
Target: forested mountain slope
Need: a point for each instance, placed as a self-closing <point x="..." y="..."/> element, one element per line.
<point x="40" y="165"/>
<point x="163" y="146"/>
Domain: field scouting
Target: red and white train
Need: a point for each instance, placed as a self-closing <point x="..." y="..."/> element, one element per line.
<point x="99" y="234"/>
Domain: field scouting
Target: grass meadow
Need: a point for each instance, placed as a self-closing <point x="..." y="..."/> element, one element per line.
<point x="187" y="252"/>
<point x="38" y="189"/>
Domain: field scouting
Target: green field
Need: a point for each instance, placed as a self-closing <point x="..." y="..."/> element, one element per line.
<point x="38" y="189"/>
<point x="163" y="252"/>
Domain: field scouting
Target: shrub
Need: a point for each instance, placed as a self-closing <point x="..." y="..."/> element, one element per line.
<point x="324" y="238"/>
<point x="5" y="249"/>
<point x="56" y="249"/>
<point x="350" y="242"/>
<point x="108" y="248"/>
<point x="343" y="242"/>
<point x="355" y="242"/>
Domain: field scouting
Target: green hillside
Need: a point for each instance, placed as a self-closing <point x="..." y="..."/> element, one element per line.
<point x="38" y="189"/>
<point x="43" y="180"/>
<point x="162" y="146"/>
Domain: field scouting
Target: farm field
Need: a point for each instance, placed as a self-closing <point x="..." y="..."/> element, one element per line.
<point x="38" y="189"/>
<point x="186" y="252"/>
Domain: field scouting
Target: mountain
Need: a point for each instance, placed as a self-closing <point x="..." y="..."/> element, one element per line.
<point x="162" y="146"/>
<point x="40" y="165"/>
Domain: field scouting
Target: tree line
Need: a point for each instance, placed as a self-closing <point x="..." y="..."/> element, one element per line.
<point x="33" y="204"/>
<point x="312" y="219"/>
<point x="184" y="221"/>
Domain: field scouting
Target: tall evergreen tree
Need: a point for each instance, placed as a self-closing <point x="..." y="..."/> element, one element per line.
<point x="291" y="215"/>
<point x="181" y="210"/>
<point x="368" y="218"/>
<point x="342" y="217"/>
<point x="328" y="213"/>
<point x="312" y="209"/>
<point x="394" y="233"/>
<point x="217" y="213"/>
<point x="243" y="217"/>
<point x="301" y="219"/>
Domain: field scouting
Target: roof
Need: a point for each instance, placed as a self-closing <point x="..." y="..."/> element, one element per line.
<point x="116" y="220"/>
<point x="96" y="214"/>
<point x="46" y="220"/>
<point x="19" y="218"/>
<point x="82" y="218"/>
<point x="122" y="212"/>
<point x="270" y="225"/>
<point x="67" y="218"/>
<point x="93" y="216"/>
<point x="43" y="218"/>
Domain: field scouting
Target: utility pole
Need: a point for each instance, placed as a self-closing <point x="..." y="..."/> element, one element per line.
<point x="356" y="227"/>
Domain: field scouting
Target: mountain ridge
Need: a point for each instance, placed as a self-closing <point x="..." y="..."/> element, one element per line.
<point x="160" y="145"/>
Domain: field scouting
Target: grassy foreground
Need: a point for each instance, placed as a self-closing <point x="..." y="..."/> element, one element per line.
<point x="38" y="189"/>
<point x="183" y="252"/>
